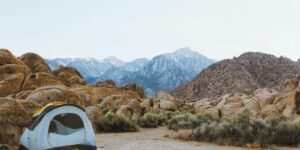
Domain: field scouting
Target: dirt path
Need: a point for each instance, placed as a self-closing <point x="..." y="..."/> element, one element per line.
<point x="152" y="139"/>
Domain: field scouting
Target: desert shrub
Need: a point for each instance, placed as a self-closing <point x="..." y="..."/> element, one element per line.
<point x="241" y="130"/>
<point x="164" y="117"/>
<point x="182" y="121"/>
<point x="204" y="118"/>
<point x="112" y="122"/>
<point x="233" y="130"/>
<point x="286" y="133"/>
<point x="152" y="120"/>
<point x="149" y="120"/>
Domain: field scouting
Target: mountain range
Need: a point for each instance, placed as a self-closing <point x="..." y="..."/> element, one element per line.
<point x="163" y="72"/>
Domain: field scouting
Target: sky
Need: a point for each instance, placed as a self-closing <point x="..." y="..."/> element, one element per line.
<point x="130" y="29"/>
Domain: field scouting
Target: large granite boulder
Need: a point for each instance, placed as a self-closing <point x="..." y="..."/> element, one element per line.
<point x="265" y="96"/>
<point x="35" y="62"/>
<point x="40" y="79"/>
<point x="69" y="76"/>
<point x="13" y="117"/>
<point x="95" y="94"/>
<point x="48" y="94"/>
<point x="289" y="104"/>
<point x="12" y="73"/>
<point x="165" y="101"/>
<point x="136" y="88"/>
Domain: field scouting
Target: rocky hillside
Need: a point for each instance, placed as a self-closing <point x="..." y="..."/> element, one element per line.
<point x="27" y="84"/>
<point x="163" y="72"/>
<point x="244" y="74"/>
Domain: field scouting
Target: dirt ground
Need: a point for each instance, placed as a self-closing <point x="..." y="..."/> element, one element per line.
<point x="155" y="139"/>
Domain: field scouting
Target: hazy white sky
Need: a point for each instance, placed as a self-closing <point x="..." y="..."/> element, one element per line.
<point x="130" y="29"/>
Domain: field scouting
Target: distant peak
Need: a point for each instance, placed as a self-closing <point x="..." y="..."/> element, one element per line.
<point x="184" y="50"/>
<point x="113" y="60"/>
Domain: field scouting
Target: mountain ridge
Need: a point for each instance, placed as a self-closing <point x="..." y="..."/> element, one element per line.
<point x="162" y="72"/>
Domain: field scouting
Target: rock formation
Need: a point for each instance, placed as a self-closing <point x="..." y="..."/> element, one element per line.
<point x="48" y="94"/>
<point x="243" y="74"/>
<point x="12" y="73"/>
<point x="135" y="88"/>
<point x="263" y="102"/>
<point x="69" y="76"/>
<point x="13" y="116"/>
<point x="36" y="63"/>
<point x="40" y="79"/>
<point x="27" y="84"/>
<point x="165" y="101"/>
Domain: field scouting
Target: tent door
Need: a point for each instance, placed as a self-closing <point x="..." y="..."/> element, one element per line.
<point x="66" y="129"/>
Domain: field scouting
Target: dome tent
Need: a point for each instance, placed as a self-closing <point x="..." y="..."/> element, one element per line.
<point x="59" y="126"/>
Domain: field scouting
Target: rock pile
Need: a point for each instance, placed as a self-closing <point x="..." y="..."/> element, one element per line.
<point x="69" y="76"/>
<point x="243" y="74"/>
<point x="263" y="102"/>
<point x="27" y="84"/>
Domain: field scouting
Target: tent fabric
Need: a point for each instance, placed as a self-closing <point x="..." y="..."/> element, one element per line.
<point x="60" y="140"/>
<point x="57" y="127"/>
<point x="39" y="114"/>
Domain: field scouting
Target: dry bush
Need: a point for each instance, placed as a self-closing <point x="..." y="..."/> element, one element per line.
<point x="112" y="122"/>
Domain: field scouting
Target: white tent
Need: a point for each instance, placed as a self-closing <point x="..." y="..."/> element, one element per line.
<point x="59" y="126"/>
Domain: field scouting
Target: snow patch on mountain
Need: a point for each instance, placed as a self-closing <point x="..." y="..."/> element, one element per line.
<point x="163" y="72"/>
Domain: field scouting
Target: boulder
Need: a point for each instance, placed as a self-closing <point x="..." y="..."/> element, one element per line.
<point x="69" y="76"/>
<point x="110" y="83"/>
<point x="11" y="83"/>
<point x="30" y="106"/>
<point x="40" y="79"/>
<point x="13" y="117"/>
<point x="22" y="94"/>
<point x="48" y="94"/>
<point x="6" y="57"/>
<point x="202" y="106"/>
<point x="132" y="109"/>
<point x="5" y="147"/>
<point x="12" y="73"/>
<point x="165" y="101"/>
<point x="136" y="88"/>
<point x="265" y="96"/>
<point x="95" y="94"/>
<point x="231" y="104"/>
<point x="230" y="109"/>
<point x="252" y="105"/>
<point x="269" y="110"/>
<point x="231" y="98"/>
<point x="36" y="63"/>
<point x="289" y="104"/>
<point x="165" y="104"/>
<point x="14" y="69"/>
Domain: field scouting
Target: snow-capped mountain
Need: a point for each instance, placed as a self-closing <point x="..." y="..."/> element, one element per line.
<point x="168" y="71"/>
<point x="114" y="61"/>
<point x="88" y="67"/>
<point x="163" y="72"/>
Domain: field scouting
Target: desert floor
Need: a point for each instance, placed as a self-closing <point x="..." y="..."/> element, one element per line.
<point x="155" y="139"/>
